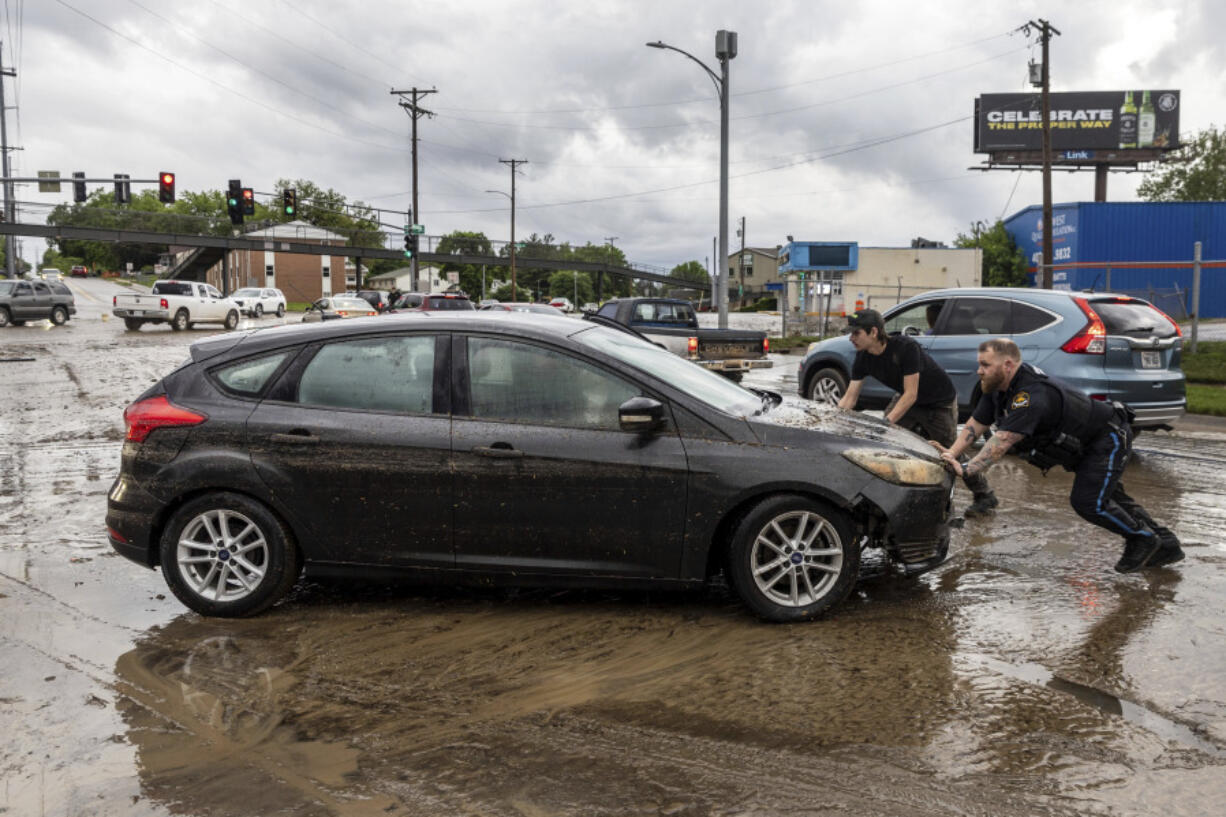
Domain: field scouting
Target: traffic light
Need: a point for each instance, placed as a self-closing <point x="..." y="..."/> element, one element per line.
<point x="248" y="201"/>
<point x="166" y="187"/>
<point x="78" y="188"/>
<point x="123" y="189"/>
<point x="410" y="243"/>
<point x="289" y="201"/>
<point x="234" y="201"/>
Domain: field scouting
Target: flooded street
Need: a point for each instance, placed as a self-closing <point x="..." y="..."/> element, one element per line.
<point x="1022" y="677"/>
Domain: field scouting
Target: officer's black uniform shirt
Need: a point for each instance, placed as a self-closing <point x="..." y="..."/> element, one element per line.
<point x="1029" y="406"/>
<point x="903" y="356"/>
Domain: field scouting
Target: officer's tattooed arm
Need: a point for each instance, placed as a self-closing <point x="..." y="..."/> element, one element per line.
<point x="973" y="430"/>
<point x="992" y="452"/>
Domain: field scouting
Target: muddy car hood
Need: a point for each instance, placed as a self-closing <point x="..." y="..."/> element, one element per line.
<point x="789" y="422"/>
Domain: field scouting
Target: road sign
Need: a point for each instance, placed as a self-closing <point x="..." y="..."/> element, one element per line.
<point x="418" y="229"/>
<point x="49" y="187"/>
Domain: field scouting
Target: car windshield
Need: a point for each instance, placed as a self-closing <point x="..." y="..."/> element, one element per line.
<point x="714" y="390"/>
<point x="247" y="293"/>
<point x="350" y="303"/>
<point x="1135" y="318"/>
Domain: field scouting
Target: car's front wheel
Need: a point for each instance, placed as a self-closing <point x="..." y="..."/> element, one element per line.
<point x="5" y="317"/>
<point x="280" y="310"/>
<point x="231" y="319"/>
<point x="827" y="385"/>
<point x="180" y="321"/>
<point x="225" y="554"/>
<point x="259" y="310"/>
<point x="793" y="558"/>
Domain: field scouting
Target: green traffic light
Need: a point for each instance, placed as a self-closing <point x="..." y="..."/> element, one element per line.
<point x="289" y="211"/>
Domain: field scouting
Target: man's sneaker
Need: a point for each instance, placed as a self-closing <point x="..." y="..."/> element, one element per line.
<point x="1169" y="550"/>
<point x="984" y="505"/>
<point x="1138" y="550"/>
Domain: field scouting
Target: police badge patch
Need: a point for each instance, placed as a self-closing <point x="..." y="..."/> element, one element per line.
<point x="1020" y="400"/>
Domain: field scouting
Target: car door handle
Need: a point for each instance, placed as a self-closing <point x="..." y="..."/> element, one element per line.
<point x="298" y="437"/>
<point x="500" y="451"/>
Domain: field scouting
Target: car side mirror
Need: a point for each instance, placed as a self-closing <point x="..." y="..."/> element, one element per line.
<point x="641" y="415"/>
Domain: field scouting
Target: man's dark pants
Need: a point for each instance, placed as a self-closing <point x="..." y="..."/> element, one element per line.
<point x="1098" y="494"/>
<point x="939" y="423"/>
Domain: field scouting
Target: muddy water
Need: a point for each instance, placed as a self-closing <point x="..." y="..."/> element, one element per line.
<point x="1022" y="677"/>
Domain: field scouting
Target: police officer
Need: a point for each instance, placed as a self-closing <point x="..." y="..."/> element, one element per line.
<point x="926" y="401"/>
<point x="1049" y="424"/>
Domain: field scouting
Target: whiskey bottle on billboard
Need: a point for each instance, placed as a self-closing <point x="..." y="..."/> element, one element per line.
<point x="1146" y="122"/>
<point x="1128" y="122"/>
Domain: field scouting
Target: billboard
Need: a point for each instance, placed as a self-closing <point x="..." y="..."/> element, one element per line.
<point x="806" y="256"/>
<point x="1080" y="121"/>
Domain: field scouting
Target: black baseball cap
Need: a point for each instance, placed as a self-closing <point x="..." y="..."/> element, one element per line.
<point x="864" y="319"/>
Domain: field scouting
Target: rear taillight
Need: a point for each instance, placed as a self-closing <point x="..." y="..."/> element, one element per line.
<point x="1092" y="339"/>
<point x="342" y="313"/>
<point x="157" y="412"/>
<point x="1178" y="331"/>
<point x="692" y="346"/>
<point x="766" y="346"/>
<point x="114" y="300"/>
<point x="165" y="304"/>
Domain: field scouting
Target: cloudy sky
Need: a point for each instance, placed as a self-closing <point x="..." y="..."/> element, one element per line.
<point x="849" y="121"/>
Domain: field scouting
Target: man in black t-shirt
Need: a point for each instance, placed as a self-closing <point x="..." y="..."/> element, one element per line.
<point x="925" y="401"/>
<point x="1049" y="423"/>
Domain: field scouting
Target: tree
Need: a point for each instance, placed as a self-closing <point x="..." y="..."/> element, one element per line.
<point x="577" y="286"/>
<point x="461" y="242"/>
<point x="1197" y="172"/>
<point x="692" y="272"/>
<point x="1004" y="265"/>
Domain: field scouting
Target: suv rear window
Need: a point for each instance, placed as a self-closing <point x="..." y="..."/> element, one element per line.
<point x="1134" y="318"/>
<point x="172" y="288"/>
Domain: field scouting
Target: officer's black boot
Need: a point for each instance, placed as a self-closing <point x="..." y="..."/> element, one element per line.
<point x="1138" y="551"/>
<point x="1169" y="550"/>
<point x="984" y="505"/>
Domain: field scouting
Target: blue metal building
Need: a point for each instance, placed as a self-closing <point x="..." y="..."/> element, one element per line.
<point x="1091" y="240"/>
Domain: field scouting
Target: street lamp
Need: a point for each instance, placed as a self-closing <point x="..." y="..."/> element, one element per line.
<point x="514" y="294"/>
<point x="725" y="49"/>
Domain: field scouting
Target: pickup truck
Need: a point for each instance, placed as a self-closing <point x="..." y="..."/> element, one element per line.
<point x="673" y="324"/>
<point x="22" y="301"/>
<point x="182" y="304"/>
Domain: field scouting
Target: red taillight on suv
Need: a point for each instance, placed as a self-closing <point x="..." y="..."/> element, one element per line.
<point x="1092" y="339"/>
<point x="144" y="416"/>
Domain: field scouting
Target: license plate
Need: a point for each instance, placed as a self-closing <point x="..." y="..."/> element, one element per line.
<point x="1151" y="360"/>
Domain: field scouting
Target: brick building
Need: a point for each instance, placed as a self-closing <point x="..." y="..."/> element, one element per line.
<point x="303" y="278"/>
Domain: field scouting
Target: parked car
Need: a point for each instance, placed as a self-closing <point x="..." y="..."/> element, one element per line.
<point x="524" y="306"/>
<point x="562" y="303"/>
<point x="182" y="304"/>
<point x="256" y="301"/>
<point x="1112" y="347"/>
<point x="432" y="302"/>
<point x="340" y="306"/>
<point x="487" y="302"/>
<point x="572" y="453"/>
<point x="22" y="301"/>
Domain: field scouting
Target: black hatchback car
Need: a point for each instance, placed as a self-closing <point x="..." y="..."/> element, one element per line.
<point x="527" y="450"/>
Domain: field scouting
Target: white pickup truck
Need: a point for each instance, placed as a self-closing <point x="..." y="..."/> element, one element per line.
<point x="182" y="304"/>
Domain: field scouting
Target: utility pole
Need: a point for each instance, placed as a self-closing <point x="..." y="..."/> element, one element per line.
<point x="513" y="163"/>
<point x="740" y="263"/>
<point x="415" y="112"/>
<point x="608" y="240"/>
<point x="1045" y="30"/>
<point x="10" y="215"/>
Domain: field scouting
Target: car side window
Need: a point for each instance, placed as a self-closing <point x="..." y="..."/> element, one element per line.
<point x="250" y="376"/>
<point x="1027" y="318"/>
<point x="41" y="289"/>
<point x="373" y="374"/>
<point x="212" y="293"/>
<point x="917" y="319"/>
<point x="978" y="316"/>
<point x="521" y="383"/>
<point x="24" y="289"/>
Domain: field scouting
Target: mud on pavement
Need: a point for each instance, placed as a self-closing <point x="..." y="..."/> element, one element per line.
<point x="1022" y="677"/>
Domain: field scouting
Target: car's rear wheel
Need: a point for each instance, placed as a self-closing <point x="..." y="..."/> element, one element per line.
<point x="224" y="554"/>
<point x="827" y="385"/>
<point x="280" y="310"/>
<point x="793" y="558"/>
<point x="59" y="316"/>
<point x="259" y="310"/>
<point x="231" y="319"/>
<point x="5" y="317"/>
<point x="133" y="324"/>
<point x="180" y="321"/>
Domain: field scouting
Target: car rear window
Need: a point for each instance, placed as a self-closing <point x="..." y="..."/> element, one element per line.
<point x="250" y="376"/>
<point x="1134" y="318"/>
<point x="171" y="288"/>
<point x="450" y="303"/>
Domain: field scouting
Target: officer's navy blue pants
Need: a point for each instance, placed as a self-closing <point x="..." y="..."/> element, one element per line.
<point x="1098" y="495"/>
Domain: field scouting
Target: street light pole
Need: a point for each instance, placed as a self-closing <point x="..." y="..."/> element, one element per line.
<point x="725" y="50"/>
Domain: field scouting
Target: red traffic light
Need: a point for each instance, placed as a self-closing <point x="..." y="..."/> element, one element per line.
<point x="248" y="201"/>
<point x="166" y="187"/>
